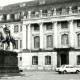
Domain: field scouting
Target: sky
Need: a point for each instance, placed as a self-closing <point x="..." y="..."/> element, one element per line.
<point x="6" y="2"/>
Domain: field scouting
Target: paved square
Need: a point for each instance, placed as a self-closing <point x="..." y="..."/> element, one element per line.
<point x="45" y="75"/>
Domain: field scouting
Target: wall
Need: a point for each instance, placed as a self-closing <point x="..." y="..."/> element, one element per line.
<point x="27" y="61"/>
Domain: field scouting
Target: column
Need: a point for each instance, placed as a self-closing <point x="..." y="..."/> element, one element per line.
<point x="55" y="34"/>
<point x="24" y="39"/>
<point x="71" y="33"/>
<point x="29" y="36"/>
<point x="40" y="13"/>
<point x="41" y="35"/>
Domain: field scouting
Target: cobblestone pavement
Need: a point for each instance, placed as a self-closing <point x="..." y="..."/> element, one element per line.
<point x="43" y="75"/>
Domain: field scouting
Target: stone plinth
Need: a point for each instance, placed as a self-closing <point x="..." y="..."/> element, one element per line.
<point x="8" y="62"/>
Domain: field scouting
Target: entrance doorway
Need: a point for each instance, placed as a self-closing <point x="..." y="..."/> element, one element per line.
<point x="63" y="59"/>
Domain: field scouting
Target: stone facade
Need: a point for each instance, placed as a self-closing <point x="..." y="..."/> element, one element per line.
<point x="56" y="26"/>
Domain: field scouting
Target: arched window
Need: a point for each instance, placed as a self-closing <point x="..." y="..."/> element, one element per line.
<point x="35" y="60"/>
<point x="47" y="60"/>
<point x="78" y="40"/>
<point x="49" y="41"/>
<point x="64" y="39"/>
<point x="36" y="42"/>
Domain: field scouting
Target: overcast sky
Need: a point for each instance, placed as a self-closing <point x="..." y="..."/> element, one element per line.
<point x="6" y="2"/>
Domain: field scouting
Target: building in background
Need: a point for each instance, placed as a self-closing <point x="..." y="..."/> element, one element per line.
<point x="47" y="32"/>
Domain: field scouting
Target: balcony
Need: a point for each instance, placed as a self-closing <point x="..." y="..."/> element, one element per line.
<point x="53" y="13"/>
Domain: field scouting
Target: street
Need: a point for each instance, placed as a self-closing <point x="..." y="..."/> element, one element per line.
<point x="45" y="75"/>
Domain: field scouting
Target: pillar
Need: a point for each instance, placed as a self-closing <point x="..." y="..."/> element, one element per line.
<point x="55" y="34"/>
<point x="41" y="35"/>
<point x="71" y="33"/>
<point x="29" y="36"/>
<point x="24" y="42"/>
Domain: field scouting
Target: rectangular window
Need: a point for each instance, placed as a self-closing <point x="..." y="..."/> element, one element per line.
<point x="12" y="16"/>
<point x="78" y="60"/>
<point x="20" y="58"/>
<point x="36" y="27"/>
<point x="35" y="60"/>
<point x="64" y="25"/>
<point x="20" y="27"/>
<point x="78" y="23"/>
<point x="16" y="42"/>
<point x="48" y="26"/>
<point x="47" y="60"/>
<point x="4" y="17"/>
<point x="20" y="43"/>
<point x="16" y="28"/>
<point x="78" y="40"/>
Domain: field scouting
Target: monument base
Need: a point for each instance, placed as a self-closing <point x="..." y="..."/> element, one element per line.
<point x="8" y="62"/>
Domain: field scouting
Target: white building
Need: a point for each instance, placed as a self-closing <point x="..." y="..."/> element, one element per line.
<point x="47" y="32"/>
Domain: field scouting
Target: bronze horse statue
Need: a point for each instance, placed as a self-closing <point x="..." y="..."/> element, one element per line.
<point x="5" y="37"/>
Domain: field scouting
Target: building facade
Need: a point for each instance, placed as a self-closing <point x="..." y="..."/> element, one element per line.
<point x="47" y="33"/>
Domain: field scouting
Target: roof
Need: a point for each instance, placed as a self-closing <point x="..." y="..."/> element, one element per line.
<point x="36" y="5"/>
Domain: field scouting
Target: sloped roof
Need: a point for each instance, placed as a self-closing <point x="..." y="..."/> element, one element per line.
<point x="34" y="5"/>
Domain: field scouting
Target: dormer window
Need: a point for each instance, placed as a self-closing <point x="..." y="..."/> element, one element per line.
<point x="4" y="17"/>
<point x="8" y="16"/>
<point x="42" y="2"/>
<point x="22" y="4"/>
<point x="1" y="17"/>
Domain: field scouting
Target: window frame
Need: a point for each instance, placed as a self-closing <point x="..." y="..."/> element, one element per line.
<point x="47" y="60"/>
<point x="65" y="43"/>
<point x="36" y="42"/>
<point x="34" y="60"/>
<point x="63" y="24"/>
<point x="78" y="60"/>
<point x="78" y="40"/>
<point x="36" y="27"/>
<point x="49" y="41"/>
<point x="16" y="28"/>
<point x="78" y="23"/>
<point x="49" y="26"/>
<point x="16" y="46"/>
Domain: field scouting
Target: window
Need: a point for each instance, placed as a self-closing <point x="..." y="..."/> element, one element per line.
<point x="4" y="17"/>
<point x="49" y="41"/>
<point x="78" y="60"/>
<point x="12" y="16"/>
<point x="20" y="58"/>
<point x="64" y="25"/>
<point x="64" y="39"/>
<point x="35" y="60"/>
<point x="78" y="23"/>
<point x="36" y="42"/>
<point x="16" y="41"/>
<point x="49" y="26"/>
<point x="36" y="27"/>
<point x="16" y="28"/>
<point x="47" y="60"/>
<point x="20" y="43"/>
<point x="78" y="40"/>
<point x="21" y="28"/>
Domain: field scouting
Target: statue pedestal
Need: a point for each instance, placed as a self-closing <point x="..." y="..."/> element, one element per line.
<point x="8" y="62"/>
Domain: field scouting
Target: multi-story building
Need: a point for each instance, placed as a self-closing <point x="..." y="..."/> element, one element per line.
<point x="47" y="32"/>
